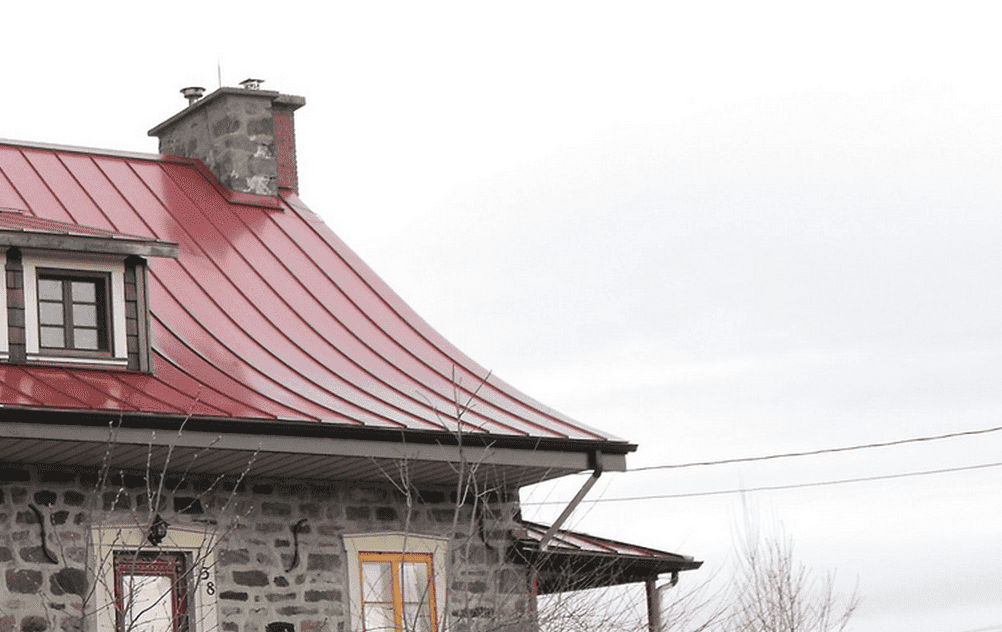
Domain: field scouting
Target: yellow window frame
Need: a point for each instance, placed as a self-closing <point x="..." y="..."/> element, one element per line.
<point x="396" y="561"/>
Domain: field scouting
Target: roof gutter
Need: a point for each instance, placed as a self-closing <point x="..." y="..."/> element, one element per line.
<point x="318" y="430"/>
<point x="596" y="458"/>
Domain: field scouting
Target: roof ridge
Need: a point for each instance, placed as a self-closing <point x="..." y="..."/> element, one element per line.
<point x="77" y="149"/>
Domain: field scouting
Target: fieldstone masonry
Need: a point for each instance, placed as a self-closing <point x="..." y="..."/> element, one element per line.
<point x="280" y="559"/>
<point x="245" y="137"/>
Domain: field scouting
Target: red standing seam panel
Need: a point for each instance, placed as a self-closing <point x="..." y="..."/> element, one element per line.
<point x="266" y="315"/>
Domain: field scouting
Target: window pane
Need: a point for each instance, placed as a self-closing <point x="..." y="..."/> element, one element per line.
<point x="415" y="581"/>
<point x="84" y="338"/>
<point x="417" y="617"/>
<point x="83" y="291"/>
<point x="379" y="617"/>
<point x="148" y="603"/>
<point x="377" y="581"/>
<point x="85" y="315"/>
<point x="50" y="313"/>
<point x="52" y="337"/>
<point x="50" y="289"/>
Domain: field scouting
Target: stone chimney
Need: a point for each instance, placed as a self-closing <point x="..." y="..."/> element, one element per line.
<point x="246" y="136"/>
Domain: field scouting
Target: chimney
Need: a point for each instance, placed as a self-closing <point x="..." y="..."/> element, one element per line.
<point x="246" y="136"/>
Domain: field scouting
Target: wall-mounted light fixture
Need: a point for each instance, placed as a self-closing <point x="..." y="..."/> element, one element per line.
<point x="158" y="531"/>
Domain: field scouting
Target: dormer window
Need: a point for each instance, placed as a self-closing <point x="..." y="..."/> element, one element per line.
<point x="75" y="295"/>
<point x="73" y="312"/>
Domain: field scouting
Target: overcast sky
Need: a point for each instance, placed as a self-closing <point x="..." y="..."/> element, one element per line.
<point x="714" y="229"/>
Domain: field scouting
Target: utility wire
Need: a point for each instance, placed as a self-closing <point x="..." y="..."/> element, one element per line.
<point x="865" y="446"/>
<point x="990" y="628"/>
<point x="769" y="488"/>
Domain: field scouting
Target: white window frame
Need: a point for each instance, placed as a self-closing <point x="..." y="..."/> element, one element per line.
<point x="77" y="262"/>
<point x="198" y="543"/>
<point x="395" y="542"/>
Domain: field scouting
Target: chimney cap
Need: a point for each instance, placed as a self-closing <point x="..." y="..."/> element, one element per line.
<point x="252" y="84"/>
<point x="192" y="93"/>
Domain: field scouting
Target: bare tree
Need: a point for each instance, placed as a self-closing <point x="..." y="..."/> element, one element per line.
<point x="774" y="592"/>
<point x="769" y="590"/>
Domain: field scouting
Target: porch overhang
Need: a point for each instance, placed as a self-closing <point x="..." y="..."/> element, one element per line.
<point x="577" y="561"/>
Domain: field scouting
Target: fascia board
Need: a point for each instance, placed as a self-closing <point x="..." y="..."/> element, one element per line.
<point x="321" y="446"/>
<point x="98" y="245"/>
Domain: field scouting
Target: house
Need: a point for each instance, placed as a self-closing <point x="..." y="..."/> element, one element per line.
<point x="214" y="415"/>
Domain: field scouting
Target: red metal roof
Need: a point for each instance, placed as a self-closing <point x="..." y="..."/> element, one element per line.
<point x="265" y="314"/>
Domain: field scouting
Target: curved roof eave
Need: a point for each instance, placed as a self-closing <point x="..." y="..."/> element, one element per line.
<point x="264" y="318"/>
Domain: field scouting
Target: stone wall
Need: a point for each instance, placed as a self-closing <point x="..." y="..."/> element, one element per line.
<point x="280" y="560"/>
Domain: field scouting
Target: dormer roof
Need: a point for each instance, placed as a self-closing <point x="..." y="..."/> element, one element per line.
<point x="26" y="231"/>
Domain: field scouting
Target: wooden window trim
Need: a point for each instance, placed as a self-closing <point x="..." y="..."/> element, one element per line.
<point x="155" y="564"/>
<point x="395" y="542"/>
<point x="396" y="561"/>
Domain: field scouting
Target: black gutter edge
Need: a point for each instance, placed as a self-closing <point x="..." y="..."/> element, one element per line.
<point x="315" y="429"/>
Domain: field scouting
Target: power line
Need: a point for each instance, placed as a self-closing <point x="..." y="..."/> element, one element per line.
<point x="864" y="446"/>
<point x="770" y="488"/>
<point x="990" y="628"/>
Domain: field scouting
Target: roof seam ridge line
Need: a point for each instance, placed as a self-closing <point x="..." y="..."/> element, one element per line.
<point x="100" y="210"/>
<point x="4" y="384"/>
<point x="72" y="375"/>
<point x="125" y="199"/>
<point x="163" y="356"/>
<point x="59" y="159"/>
<point x="15" y="191"/>
<point x="264" y="349"/>
<point x="20" y="193"/>
<point x="233" y="321"/>
<point x="205" y="360"/>
<point x="48" y="384"/>
<point x="147" y="394"/>
<point x="49" y="188"/>
<point x="544" y="410"/>
<point x="198" y="246"/>
<point x="208" y="387"/>
<point x="387" y="303"/>
<point x="418" y="358"/>
<point x="400" y="391"/>
<point x="307" y="324"/>
<point x="202" y="383"/>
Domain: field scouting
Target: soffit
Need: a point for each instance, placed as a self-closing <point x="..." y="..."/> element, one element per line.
<point x="264" y="456"/>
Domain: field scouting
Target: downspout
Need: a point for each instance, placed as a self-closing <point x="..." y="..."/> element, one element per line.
<point x="653" y="605"/>
<point x="654" y="622"/>
<point x="595" y="459"/>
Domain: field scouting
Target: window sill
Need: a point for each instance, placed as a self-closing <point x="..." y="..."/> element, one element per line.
<point x="63" y="360"/>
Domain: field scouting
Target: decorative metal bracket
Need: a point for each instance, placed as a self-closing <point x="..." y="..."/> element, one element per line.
<point x="296" y="528"/>
<point x="45" y="547"/>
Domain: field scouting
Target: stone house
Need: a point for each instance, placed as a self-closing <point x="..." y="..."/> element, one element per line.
<point x="213" y="415"/>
